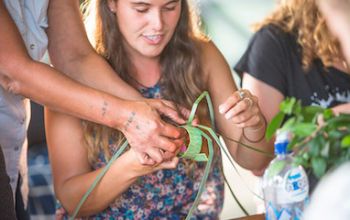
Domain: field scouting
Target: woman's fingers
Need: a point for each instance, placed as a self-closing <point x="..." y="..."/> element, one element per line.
<point x="169" y="164"/>
<point x="242" y="109"/>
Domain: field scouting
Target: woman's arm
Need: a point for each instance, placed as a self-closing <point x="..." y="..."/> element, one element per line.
<point x="72" y="173"/>
<point x="236" y="114"/>
<point x="71" y="52"/>
<point x="343" y="108"/>
<point x="139" y="120"/>
<point x="269" y="101"/>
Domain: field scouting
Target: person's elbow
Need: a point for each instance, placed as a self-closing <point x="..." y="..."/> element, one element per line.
<point x="68" y="60"/>
<point x="66" y="201"/>
<point x="11" y="73"/>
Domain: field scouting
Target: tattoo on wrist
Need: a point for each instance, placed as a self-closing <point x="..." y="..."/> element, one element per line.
<point x="104" y="108"/>
<point x="130" y="120"/>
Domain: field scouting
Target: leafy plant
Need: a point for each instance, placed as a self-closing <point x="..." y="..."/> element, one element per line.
<point x="317" y="146"/>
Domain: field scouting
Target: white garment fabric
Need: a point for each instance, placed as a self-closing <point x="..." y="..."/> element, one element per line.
<point x="30" y="17"/>
<point x="331" y="198"/>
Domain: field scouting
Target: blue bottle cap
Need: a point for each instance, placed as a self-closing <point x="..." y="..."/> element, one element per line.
<point x="281" y="147"/>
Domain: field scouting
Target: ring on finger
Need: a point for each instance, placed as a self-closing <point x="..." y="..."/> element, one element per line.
<point x="251" y="102"/>
<point x="241" y="94"/>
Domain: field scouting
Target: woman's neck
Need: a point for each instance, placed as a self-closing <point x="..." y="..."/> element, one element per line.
<point x="146" y="72"/>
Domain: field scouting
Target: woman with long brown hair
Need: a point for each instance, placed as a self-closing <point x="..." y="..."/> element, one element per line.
<point x="155" y="46"/>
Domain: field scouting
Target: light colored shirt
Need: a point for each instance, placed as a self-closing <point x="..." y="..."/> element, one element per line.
<point x="331" y="199"/>
<point x="30" y="17"/>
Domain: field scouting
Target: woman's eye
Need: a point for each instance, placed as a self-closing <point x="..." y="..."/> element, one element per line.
<point x="169" y="8"/>
<point x="141" y="10"/>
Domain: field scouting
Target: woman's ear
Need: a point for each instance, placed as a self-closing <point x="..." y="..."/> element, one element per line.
<point x="112" y="5"/>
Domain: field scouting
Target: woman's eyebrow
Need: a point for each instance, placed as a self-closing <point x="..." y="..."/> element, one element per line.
<point x="140" y="3"/>
<point x="147" y="4"/>
<point x="172" y="1"/>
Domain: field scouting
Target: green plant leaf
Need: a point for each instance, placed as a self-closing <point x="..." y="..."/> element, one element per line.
<point x="335" y="134"/>
<point x="315" y="146"/>
<point x="319" y="166"/>
<point x="341" y="120"/>
<point x="303" y="129"/>
<point x="345" y="142"/>
<point x="326" y="149"/>
<point x="288" y="124"/>
<point x="287" y="105"/>
<point x="292" y="143"/>
<point x="310" y="113"/>
<point x="275" y="168"/>
<point x="274" y="125"/>
<point x="328" y="114"/>
<point x="300" y="161"/>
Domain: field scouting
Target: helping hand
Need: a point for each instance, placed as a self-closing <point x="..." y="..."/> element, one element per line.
<point x="152" y="138"/>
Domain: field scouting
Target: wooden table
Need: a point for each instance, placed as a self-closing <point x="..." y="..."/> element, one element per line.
<point x="252" y="217"/>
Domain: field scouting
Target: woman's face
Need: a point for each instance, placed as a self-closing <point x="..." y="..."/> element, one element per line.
<point x="146" y="25"/>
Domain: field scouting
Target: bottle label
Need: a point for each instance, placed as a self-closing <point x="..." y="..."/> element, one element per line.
<point x="295" y="187"/>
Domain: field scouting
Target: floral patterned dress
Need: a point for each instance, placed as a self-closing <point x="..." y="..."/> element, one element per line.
<point x="168" y="194"/>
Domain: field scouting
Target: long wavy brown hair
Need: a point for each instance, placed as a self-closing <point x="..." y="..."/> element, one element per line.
<point x="303" y="19"/>
<point x="180" y="61"/>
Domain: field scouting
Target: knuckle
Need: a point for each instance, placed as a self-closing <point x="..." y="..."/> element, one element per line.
<point x="153" y="125"/>
<point x="142" y="160"/>
<point x="159" y="160"/>
<point x="256" y="119"/>
<point x="177" y="133"/>
<point x="247" y="103"/>
<point x="243" y="124"/>
<point x="239" y="118"/>
<point x="172" y="147"/>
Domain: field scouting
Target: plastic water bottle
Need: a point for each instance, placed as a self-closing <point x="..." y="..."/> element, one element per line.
<point x="285" y="185"/>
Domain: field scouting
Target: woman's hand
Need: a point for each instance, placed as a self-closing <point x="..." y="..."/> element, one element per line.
<point x="243" y="110"/>
<point x="139" y="169"/>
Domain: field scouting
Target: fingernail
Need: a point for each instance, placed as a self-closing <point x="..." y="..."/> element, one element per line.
<point x="183" y="148"/>
<point x="221" y="109"/>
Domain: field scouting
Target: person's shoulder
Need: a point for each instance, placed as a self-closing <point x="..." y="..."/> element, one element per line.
<point x="272" y="32"/>
<point x="208" y="50"/>
<point x="211" y="57"/>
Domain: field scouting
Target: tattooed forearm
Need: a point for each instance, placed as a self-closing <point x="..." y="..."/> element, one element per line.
<point x="104" y="108"/>
<point x="130" y="120"/>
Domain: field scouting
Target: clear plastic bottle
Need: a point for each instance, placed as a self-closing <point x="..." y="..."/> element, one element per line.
<point x="285" y="185"/>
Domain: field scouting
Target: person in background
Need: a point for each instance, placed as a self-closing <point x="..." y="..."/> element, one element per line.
<point x="326" y="202"/>
<point x="163" y="55"/>
<point x="337" y="16"/>
<point x="293" y="54"/>
<point x="23" y="42"/>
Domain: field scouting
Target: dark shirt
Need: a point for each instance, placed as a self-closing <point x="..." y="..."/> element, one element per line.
<point x="274" y="57"/>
